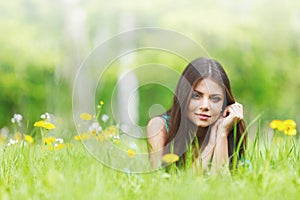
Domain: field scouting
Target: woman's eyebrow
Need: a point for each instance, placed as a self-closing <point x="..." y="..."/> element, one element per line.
<point x="217" y="94"/>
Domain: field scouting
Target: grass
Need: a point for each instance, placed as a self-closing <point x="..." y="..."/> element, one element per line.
<point x="34" y="172"/>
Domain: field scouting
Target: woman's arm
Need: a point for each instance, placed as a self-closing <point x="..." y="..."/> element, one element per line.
<point x="221" y="129"/>
<point x="220" y="157"/>
<point x="205" y="158"/>
<point x="156" y="135"/>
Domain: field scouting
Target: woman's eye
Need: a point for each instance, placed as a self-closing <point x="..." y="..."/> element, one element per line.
<point x="195" y="95"/>
<point x="216" y="99"/>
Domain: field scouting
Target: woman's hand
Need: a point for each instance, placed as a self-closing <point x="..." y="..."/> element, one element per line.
<point x="232" y="113"/>
<point x="222" y="127"/>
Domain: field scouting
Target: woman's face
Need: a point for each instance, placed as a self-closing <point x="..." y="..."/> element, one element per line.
<point x="206" y="103"/>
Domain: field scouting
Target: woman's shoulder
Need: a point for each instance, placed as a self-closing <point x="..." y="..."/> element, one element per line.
<point x="156" y="125"/>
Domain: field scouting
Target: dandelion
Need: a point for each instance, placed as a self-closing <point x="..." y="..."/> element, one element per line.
<point x="101" y="103"/>
<point x="59" y="146"/>
<point x="170" y="158"/>
<point x="49" y="140"/>
<point x="277" y="124"/>
<point x="44" y="124"/>
<point x="130" y="153"/>
<point x="290" y="127"/>
<point x="287" y="126"/>
<point x="83" y="136"/>
<point x="85" y="116"/>
<point x="28" y="139"/>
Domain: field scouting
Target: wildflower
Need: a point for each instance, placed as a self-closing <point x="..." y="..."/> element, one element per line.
<point x="101" y="103"/>
<point x="130" y="153"/>
<point x="28" y="139"/>
<point x="170" y="158"/>
<point x="105" y="118"/>
<point x="111" y="131"/>
<point x="85" y="116"/>
<point x="83" y="136"/>
<point x="290" y="127"/>
<point x="49" y="140"/>
<point x="59" y="140"/>
<point x="17" y="118"/>
<point x="45" y="116"/>
<point x="95" y="127"/>
<point x="287" y="126"/>
<point x="44" y="124"/>
<point x="277" y="124"/>
<point x="116" y="139"/>
<point x="12" y="142"/>
<point x="59" y="146"/>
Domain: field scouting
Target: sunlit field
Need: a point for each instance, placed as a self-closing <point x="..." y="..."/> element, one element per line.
<point x="80" y="80"/>
<point x="49" y="167"/>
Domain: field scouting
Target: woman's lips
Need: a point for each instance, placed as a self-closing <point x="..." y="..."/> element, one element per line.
<point x="203" y="116"/>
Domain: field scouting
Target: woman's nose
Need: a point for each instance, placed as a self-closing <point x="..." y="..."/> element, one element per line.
<point x="204" y="104"/>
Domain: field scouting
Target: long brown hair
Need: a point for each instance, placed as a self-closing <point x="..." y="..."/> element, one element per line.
<point x="182" y="132"/>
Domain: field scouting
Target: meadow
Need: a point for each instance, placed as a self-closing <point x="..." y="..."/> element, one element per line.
<point x="49" y="167"/>
<point x="72" y="153"/>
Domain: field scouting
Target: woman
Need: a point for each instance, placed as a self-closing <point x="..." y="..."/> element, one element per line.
<point x="201" y="119"/>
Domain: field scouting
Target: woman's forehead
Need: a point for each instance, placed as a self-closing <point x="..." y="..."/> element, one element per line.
<point x="207" y="85"/>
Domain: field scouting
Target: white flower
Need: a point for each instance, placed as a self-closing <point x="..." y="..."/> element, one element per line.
<point x="59" y="140"/>
<point x="95" y="127"/>
<point x="12" y="142"/>
<point x="105" y="118"/>
<point x="45" y="116"/>
<point x="17" y="118"/>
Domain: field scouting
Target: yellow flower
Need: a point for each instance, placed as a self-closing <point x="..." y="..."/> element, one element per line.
<point x="77" y="137"/>
<point x="130" y="153"/>
<point x="28" y="139"/>
<point x="83" y="136"/>
<point x="170" y="158"/>
<point x="116" y="141"/>
<point x="85" y="116"/>
<point x="101" y="103"/>
<point x="287" y="126"/>
<point x="290" y="127"/>
<point x="277" y="124"/>
<point x="290" y="132"/>
<point x="111" y="131"/>
<point x="289" y="123"/>
<point x="59" y="146"/>
<point x="49" y="140"/>
<point x="44" y="124"/>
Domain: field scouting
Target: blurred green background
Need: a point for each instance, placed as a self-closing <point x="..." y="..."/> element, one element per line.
<point x="43" y="43"/>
